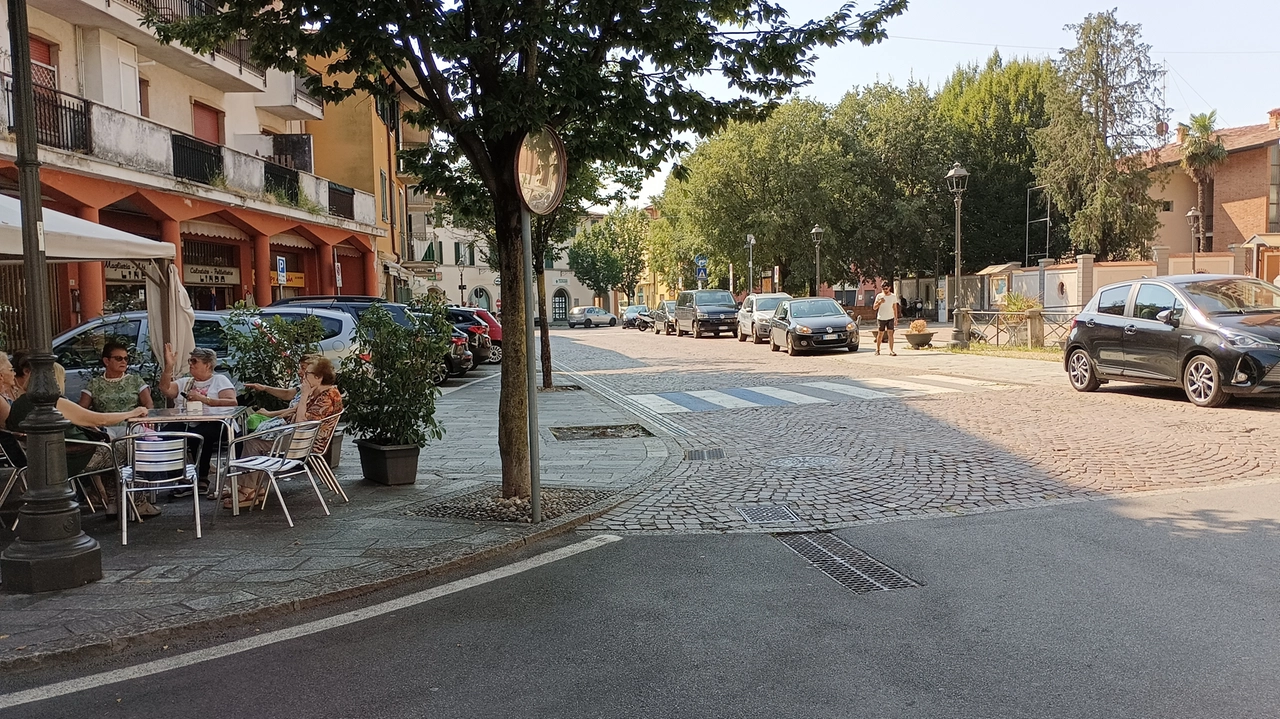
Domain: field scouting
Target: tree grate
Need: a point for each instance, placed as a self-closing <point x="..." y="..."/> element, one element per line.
<point x="765" y="513"/>
<point x="702" y="454"/>
<point x="848" y="565"/>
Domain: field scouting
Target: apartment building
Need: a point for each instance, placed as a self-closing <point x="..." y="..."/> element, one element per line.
<point x="207" y="152"/>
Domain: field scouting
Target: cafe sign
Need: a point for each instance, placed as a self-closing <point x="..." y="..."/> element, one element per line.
<point x="209" y="275"/>
<point x="118" y="271"/>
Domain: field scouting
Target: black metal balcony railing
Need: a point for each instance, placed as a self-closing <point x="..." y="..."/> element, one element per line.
<point x="196" y="160"/>
<point x="342" y="201"/>
<point x="236" y="50"/>
<point x="300" y="88"/>
<point x="278" y="179"/>
<point x="62" y="120"/>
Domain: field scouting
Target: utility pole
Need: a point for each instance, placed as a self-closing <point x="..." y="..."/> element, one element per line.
<point x="751" y="267"/>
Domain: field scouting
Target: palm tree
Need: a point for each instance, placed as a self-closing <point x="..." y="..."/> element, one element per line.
<point x="1202" y="153"/>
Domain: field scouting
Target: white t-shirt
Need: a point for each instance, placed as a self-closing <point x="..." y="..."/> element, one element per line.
<point x="211" y="387"/>
<point x="886" y="309"/>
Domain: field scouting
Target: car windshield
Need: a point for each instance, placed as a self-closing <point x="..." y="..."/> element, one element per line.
<point x="670" y="305"/>
<point x="815" y="308"/>
<point x="1233" y="295"/>
<point x="635" y="310"/>
<point x="765" y="304"/>
<point x="714" y="297"/>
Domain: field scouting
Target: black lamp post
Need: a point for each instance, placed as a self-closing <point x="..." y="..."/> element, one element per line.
<point x="957" y="181"/>
<point x="816" y="234"/>
<point x="51" y="552"/>
<point x="1196" y="220"/>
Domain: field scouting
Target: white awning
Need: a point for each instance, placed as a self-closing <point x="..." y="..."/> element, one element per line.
<point x="285" y="239"/>
<point x="71" y="239"/>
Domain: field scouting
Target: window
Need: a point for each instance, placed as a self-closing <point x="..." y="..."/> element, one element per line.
<point x="84" y="351"/>
<point x="457" y="253"/>
<point x="1154" y="299"/>
<point x="471" y="254"/>
<point x="1166" y="206"/>
<point x="1273" y="200"/>
<point x="385" y="214"/>
<point x="748" y="304"/>
<point x="206" y="123"/>
<point x="1112" y="301"/>
<point x="208" y="334"/>
<point x="144" y="97"/>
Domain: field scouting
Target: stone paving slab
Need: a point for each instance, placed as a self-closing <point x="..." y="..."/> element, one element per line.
<point x="166" y="579"/>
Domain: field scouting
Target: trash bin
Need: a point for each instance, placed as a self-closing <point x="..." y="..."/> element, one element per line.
<point x="334" y="452"/>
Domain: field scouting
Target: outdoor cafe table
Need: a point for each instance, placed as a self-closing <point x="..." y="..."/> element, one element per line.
<point x="228" y="416"/>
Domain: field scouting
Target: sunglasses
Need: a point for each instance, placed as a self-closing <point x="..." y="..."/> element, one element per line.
<point x="119" y="358"/>
<point x="192" y="360"/>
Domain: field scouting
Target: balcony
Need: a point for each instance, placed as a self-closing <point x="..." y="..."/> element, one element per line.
<point x="228" y="69"/>
<point x="287" y="97"/>
<point x="342" y="201"/>
<point x="62" y="120"/>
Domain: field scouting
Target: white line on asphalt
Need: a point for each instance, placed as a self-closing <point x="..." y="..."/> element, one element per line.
<point x="447" y="390"/>
<point x="654" y="403"/>
<point x="963" y="381"/>
<point x="158" y="666"/>
<point x="850" y="390"/>
<point x="787" y="395"/>
<point x="727" y="401"/>
<point x="912" y="387"/>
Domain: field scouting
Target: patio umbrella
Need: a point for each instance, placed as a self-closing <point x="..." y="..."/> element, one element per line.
<point x="169" y="314"/>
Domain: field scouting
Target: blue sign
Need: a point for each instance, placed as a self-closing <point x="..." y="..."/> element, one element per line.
<point x="282" y="277"/>
<point x="700" y="261"/>
<point x="702" y="273"/>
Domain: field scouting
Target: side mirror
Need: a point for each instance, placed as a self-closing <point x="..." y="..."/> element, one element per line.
<point x="1167" y="317"/>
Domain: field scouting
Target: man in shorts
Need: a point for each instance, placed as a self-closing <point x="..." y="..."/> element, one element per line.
<point x="887" y="310"/>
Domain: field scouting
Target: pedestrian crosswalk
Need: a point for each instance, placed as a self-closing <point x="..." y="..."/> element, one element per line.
<point x="710" y="400"/>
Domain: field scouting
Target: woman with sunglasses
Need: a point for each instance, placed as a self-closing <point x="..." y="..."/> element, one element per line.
<point x="206" y="387"/>
<point x="116" y="390"/>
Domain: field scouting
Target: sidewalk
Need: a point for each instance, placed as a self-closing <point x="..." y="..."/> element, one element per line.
<point x="255" y="565"/>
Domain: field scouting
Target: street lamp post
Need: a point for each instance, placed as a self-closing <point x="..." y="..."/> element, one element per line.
<point x="751" y="267"/>
<point x="957" y="181"/>
<point x="1196" y="220"/>
<point x="816" y="234"/>
<point x="51" y="552"/>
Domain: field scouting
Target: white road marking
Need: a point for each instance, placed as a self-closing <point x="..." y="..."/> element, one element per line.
<point x="727" y="401"/>
<point x="850" y="390"/>
<point x="787" y="395"/>
<point x="909" y="387"/>
<point x="158" y="666"/>
<point x="963" y="381"/>
<point x="654" y="403"/>
<point x="447" y="390"/>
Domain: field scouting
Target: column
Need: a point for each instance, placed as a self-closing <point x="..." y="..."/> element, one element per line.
<point x="1084" y="279"/>
<point x="93" y="278"/>
<point x="370" y="272"/>
<point x="170" y="231"/>
<point x="1160" y="255"/>
<point x="262" y="270"/>
<point x="328" y="285"/>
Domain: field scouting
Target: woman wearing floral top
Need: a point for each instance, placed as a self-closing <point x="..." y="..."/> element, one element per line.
<point x="116" y="390"/>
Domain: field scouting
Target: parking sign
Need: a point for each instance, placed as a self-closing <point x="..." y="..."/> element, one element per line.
<point x="282" y="277"/>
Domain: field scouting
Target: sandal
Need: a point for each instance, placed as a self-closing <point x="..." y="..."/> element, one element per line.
<point x="248" y="498"/>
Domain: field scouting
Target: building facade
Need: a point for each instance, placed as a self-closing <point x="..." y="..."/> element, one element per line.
<point x="207" y="152"/>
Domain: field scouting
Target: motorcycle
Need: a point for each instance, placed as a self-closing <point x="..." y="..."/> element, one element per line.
<point x="644" y="321"/>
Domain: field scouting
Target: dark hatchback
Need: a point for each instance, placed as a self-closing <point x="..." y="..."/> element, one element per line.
<point x="1214" y="336"/>
<point x="812" y="323"/>
<point x="664" y="317"/>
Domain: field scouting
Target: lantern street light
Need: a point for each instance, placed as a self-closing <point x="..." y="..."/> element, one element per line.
<point x="816" y="234"/>
<point x="1196" y="220"/>
<point x="957" y="181"/>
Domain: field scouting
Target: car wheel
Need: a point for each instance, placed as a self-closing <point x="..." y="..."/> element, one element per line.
<point x="440" y="374"/>
<point x="755" y="336"/>
<point x="1080" y="372"/>
<point x="666" y="328"/>
<point x="495" y="354"/>
<point x="1203" y="383"/>
<point x="853" y="348"/>
<point x="572" y="325"/>
<point x="697" y="331"/>
<point x="613" y="322"/>
<point x="738" y="332"/>
<point x="773" y="346"/>
<point x="587" y="324"/>
<point x="791" y="346"/>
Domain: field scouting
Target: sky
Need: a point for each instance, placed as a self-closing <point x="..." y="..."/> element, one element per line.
<point x="1226" y="58"/>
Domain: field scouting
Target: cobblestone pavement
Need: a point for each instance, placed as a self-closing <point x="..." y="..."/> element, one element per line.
<point x="243" y="565"/>
<point x="840" y="464"/>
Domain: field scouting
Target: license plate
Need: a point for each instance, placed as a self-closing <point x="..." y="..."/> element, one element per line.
<point x="724" y="327"/>
<point x="831" y="337"/>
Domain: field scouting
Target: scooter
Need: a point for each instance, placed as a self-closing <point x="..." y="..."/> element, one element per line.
<point x="644" y="321"/>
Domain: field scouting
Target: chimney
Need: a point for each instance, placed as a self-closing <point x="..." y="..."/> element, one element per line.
<point x="1182" y="133"/>
<point x="1273" y="119"/>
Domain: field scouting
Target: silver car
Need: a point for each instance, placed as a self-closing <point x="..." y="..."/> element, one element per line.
<point x="588" y="316"/>
<point x="754" y="316"/>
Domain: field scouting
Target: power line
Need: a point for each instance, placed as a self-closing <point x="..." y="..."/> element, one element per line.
<point x="1189" y="85"/>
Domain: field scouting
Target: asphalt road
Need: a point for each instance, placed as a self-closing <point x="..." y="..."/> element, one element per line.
<point x="1158" y="605"/>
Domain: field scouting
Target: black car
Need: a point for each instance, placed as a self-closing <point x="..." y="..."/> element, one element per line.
<point x="458" y="360"/>
<point x="812" y="323"/>
<point x="476" y="329"/>
<point x="1212" y="335"/>
<point x="664" y="317"/>
<point x="630" y="314"/>
<point x="702" y="311"/>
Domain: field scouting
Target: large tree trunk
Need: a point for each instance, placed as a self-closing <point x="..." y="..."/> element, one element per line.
<point x="513" y="404"/>
<point x="546" y="337"/>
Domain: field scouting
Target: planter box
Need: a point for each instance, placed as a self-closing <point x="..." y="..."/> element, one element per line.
<point x="919" y="339"/>
<point x="389" y="466"/>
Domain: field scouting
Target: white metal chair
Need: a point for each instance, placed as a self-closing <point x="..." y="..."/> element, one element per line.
<point x="286" y="459"/>
<point x="317" y="460"/>
<point x="158" y="461"/>
<point x="16" y="466"/>
<point x="19" y="465"/>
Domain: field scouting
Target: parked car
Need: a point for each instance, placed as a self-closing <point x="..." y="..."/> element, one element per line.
<point x="354" y="305"/>
<point x="590" y="316"/>
<point x="702" y="311"/>
<point x="458" y="360"/>
<point x="79" y="349"/>
<point x="754" y="316"/>
<point x="812" y="323"/>
<point x="664" y="317"/>
<point x="630" y="314"/>
<point x="1215" y="336"/>
<point x="466" y="319"/>
<point x="495" y="335"/>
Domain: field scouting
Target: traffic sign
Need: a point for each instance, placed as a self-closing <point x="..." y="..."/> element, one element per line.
<point x="751" y="239"/>
<point x="702" y="273"/>
<point x="700" y="261"/>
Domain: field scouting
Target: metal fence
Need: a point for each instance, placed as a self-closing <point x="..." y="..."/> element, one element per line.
<point x="282" y="180"/>
<point x="195" y="159"/>
<point x="1034" y="328"/>
<point x="62" y="120"/>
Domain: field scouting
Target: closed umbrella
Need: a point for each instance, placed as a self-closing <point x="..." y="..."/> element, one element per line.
<point x="169" y="314"/>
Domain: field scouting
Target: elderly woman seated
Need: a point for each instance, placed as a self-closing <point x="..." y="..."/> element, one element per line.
<point x="318" y="399"/>
<point x="203" y="386"/>
<point x="292" y="395"/>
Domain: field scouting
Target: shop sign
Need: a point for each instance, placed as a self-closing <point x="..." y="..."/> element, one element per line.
<point x="209" y="275"/>
<point x="337" y="274"/>
<point x="119" y="271"/>
<point x="291" y="279"/>
<point x="562" y="280"/>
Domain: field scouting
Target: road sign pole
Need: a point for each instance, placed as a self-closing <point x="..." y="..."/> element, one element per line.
<point x="535" y="482"/>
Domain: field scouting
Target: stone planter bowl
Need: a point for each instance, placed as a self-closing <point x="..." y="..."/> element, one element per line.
<point x="918" y="340"/>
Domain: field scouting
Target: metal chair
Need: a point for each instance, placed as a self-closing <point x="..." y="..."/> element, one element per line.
<point x="317" y="460"/>
<point x="19" y="465"/>
<point x="158" y="461"/>
<point x="286" y="459"/>
<point x="16" y="464"/>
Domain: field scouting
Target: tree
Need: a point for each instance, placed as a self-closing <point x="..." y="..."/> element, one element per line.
<point x="618" y="80"/>
<point x="593" y="261"/>
<point x="1103" y="119"/>
<point x="625" y="232"/>
<point x="1202" y="154"/>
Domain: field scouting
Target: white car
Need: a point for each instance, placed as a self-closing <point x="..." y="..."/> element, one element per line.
<point x="755" y="313"/>
<point x="588" y="316"/>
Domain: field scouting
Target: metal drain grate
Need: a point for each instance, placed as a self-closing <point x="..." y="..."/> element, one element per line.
<point x="699" y="454"/>
<point x="846" y="564"/>
<point x="765" y="513"/>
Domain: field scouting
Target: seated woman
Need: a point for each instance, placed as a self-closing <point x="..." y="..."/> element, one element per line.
<point x="116" y="390"/>
<point x="318" y="399"/>
<point x="281" y="417"/>
<point x="80" y="459"/>
<point x="8" y="392"/>
<point x="205" y="386"/>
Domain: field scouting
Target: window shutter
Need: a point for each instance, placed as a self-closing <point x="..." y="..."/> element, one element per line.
<point x="206" y="123"/>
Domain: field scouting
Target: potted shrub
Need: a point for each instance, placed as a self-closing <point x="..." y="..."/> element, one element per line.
<point x="918" y="335"/>
<point x="390" y="404"/>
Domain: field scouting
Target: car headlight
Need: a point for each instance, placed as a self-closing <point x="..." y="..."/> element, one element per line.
<point x="804" y="330"/>
<point x="1244" y="340"/>
<point x="851" y="326"/>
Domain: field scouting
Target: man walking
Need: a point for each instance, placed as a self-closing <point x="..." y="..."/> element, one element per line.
<point x="887" y="310"/>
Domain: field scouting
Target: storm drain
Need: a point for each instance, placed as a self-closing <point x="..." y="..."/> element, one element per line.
<point x="700" y="454"/>
<point x="765" y="513"/>
<point x="846" y="564"/>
